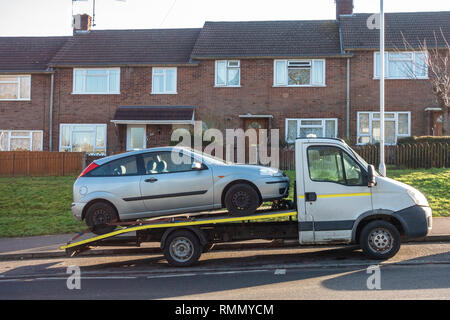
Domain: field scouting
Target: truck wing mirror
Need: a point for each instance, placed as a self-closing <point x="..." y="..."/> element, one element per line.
<point x="371" y="180"/>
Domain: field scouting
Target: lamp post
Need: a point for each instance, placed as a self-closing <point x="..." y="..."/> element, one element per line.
<point x="382" y="167"/>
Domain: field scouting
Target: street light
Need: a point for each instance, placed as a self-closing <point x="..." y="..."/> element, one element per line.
<point x="382" y="167"/>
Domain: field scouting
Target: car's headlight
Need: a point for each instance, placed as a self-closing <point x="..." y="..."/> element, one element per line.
<point x="270" y="172"/>
<point x="418" y="198"/>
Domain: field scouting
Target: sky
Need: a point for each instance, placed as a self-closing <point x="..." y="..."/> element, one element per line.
<point x="53" y="17"/>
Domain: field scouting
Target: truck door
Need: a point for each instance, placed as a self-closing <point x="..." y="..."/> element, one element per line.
<point x="335" y="192"/>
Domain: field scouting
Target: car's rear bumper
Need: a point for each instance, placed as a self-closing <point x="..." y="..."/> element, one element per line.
<point x="77" y="210"/>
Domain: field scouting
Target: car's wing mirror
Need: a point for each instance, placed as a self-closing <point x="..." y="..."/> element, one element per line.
<point x="197" y="166"/>
<point x="371" y="180"/>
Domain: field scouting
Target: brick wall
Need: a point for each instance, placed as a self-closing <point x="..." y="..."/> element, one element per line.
<point x="401" y="95"/>
<point x="29" y="115"/>
<point x="195" y="86"/>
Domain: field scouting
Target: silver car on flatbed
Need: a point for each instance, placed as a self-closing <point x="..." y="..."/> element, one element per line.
<point x="167" y="181"/>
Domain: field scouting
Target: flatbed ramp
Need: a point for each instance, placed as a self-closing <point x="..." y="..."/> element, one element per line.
<point x="215" y="227"/>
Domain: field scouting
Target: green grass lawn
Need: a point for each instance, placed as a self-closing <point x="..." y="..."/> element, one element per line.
<point x="31" y="206"/>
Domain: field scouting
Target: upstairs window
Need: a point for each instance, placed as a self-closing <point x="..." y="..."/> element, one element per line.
<point x="228" y="73"/>
<point x="15" y="87"/>
<point x="299" y="73"/>
<point x="402" y="65"/>
<point x="96" y="81"/>
<point x="164" y="81"/>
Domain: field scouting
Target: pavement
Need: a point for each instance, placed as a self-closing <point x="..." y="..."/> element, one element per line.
<point x="48" y="246"/>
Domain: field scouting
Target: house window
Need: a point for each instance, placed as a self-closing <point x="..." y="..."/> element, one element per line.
<point x="21" y="140"/>
<point x="397" y="125"/>
<point x="228" y="73"/>
<point x="136" y="137"/>
<point x="90" y="138"/>
<point x="96" y="81"/>
<point x="402" y="65"/>
<point x="303" y="127"/>
<point x="15" y="87"/>
<point x="164" y="81"/>
<point x="299" y="73"/>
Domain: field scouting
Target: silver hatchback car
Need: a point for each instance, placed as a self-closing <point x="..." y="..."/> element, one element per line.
<point x="168" y="181"/>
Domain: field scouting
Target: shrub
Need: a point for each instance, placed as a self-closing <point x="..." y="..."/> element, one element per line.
<point x="424" y="139"/>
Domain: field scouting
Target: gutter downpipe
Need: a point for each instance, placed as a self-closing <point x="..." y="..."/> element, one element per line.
<point x="50" y="122"/>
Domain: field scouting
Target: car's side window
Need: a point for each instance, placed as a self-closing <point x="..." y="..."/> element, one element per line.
<point x="120" y="167"/>
<point x="166" y="162"/>
<point x="331" y="164"/>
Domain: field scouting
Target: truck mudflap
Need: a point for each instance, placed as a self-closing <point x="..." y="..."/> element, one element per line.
<point x="416" y="221"/>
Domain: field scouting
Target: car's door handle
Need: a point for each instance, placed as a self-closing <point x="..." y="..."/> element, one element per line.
<point x="151" y="180"/>
<point x="310" y="196"/>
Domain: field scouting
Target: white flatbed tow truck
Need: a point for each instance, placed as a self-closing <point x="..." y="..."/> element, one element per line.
<point x="338" y="198"/>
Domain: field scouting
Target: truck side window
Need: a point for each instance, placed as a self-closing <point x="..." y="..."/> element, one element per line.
<point x="331" y="164"/>
<point x="353" y="173"/>
<point x="325" y="164"/>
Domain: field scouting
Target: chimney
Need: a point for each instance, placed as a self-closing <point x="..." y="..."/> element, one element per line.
<point x="343" y="7"/>
<point x="81" y="23"/>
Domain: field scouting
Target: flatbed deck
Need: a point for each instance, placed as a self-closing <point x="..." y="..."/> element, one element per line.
<point x="146" y="228"/>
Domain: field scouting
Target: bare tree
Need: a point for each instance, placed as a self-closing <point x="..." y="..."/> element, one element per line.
<point x="437" y="61"/>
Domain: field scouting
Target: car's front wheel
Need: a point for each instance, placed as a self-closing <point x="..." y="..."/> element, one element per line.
<point x="99" y="216"/>
<point x="241" y="200"/>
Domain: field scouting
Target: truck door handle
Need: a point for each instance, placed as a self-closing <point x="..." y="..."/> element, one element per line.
<point x="151" y="180"/>
<point x="310" y="196"/>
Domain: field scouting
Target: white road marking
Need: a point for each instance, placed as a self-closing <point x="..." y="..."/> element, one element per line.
<point x="172" y="275"/>
<point x="280" y="271"/>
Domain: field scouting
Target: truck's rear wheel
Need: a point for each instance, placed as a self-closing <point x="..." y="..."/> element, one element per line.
<point x="98" y="217"/>
<point x="380" y="240"/>
<point x="182" y="248"/>
<point x="241" y="200"/>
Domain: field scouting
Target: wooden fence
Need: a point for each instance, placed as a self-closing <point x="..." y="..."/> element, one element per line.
<point x="411" y="156"/>
<point x="40" y="163"/>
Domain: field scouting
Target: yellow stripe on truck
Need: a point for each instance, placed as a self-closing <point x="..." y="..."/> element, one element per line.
<point x="180" y="224"/>
<point x="338" y="195"/>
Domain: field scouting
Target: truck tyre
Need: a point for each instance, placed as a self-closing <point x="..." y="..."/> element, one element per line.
<point x="182" y="248"/>
<point x="99" y="215"/>
<point x="380" y="240"/>
<point x="241" y="200"/>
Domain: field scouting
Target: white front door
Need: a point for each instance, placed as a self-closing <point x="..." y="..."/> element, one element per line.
<point x="335" y="192"/>
<point x="136" y="137"/>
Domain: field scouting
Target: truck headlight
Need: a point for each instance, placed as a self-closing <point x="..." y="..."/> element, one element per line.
<point x="418" y="198"/>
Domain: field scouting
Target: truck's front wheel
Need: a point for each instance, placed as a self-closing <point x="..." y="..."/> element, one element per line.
<point x="380" y="240"/>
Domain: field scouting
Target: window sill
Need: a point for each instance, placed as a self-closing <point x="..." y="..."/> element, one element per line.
<point x="152" y="93"/>
<point x="216" y="86"/>
<point x="418" y="78"/>
<point x="95" y="93"/>
<point x="15" y="99"/>
<point x="302" y="86"/>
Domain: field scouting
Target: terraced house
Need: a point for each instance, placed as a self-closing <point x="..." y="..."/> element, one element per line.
<point x="107" y="91"/>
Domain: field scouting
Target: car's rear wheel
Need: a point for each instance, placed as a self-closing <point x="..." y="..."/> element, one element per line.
<point x="99" y="216"/>
<point x="241" y="200"/>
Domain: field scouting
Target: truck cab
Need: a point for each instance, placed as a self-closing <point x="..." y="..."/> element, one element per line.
<point x="342" y="199"/>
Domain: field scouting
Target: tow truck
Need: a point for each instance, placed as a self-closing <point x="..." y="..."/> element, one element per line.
<point x="338" y="199"/>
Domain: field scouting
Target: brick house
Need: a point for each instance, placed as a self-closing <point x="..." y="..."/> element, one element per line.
<point x="107" y="91"/>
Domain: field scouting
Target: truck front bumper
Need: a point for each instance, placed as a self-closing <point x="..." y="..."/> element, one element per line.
<point x="417" y="221"/>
